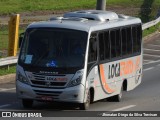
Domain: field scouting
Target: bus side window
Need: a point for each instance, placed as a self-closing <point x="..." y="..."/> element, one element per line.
<point x="118" y="43"/>
<point x="136" y="40"/>
<point x="104" y="45"/>
<point x="134" y="36"/>
<point x="124" y="42"/>
<point x="107" y="45"/>
<point x="129" y="41"/>
<point x="139" y="35"/>
<point x="92" y="57"/>
<point x="101" y="46"/>
<point x="113" y="43"/>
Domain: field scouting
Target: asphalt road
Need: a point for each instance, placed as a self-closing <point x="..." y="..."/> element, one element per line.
<point x="146" y="97"/>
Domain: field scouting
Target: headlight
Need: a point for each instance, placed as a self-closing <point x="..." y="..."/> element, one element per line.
<point x="75" y="82"/>
<point x="23" y="79"/>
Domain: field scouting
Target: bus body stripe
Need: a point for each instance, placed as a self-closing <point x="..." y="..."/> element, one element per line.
<point x="104" y="82"/>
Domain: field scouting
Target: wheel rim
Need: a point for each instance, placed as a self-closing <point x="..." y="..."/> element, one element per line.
<point x="120" y="94"/>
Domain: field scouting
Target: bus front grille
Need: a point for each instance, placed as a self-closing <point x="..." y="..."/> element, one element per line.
<point x="46" y="83"/>
<point x="40" y="81"/>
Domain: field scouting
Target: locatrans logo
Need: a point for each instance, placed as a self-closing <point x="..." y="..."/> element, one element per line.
<point x="21" y="115"/>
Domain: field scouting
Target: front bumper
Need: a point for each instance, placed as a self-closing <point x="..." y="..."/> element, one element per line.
<point x="71" y="94"/>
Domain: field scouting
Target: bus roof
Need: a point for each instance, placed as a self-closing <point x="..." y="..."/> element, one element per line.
<point x="91" y="20"/>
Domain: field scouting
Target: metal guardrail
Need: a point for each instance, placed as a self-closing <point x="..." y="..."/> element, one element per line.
<point x="13" y="60"/>
<point x="150" y="24"/>
<point x="8" y="61"/>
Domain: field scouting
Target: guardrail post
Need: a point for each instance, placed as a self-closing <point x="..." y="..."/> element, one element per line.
<point x="13" y="35"/>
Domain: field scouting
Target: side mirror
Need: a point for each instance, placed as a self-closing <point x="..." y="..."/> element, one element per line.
<point x="21" y="36"/>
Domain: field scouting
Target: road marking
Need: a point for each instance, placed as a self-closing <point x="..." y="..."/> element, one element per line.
<point x="3" y="89"/>
<point x="150" y="49"/>
<point x="124" y="108"/>
<point x="2" y="106"/>
<point x="147" y="60"/>
<point x="148" y="69"/>
<point x="152" y="62"/>
<point x="151" y="55"/>
<point x="154" y="45"/>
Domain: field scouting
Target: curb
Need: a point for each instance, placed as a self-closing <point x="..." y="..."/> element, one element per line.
<point x="7" y="78"/>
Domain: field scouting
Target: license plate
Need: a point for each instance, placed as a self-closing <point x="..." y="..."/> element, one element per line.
<point x="47" y="98"/>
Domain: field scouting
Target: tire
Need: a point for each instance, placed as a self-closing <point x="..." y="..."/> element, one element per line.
<point x="27" y="103"/>
<point x="85" y="106"/>
<point x="116" y="98"/>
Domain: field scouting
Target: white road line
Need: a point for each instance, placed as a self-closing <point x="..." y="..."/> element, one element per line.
<point x="151" y="55"/>
<point x="2" y="106"/>
<point x="151" y="49"/>
<point x="152" y="62"/>
<point x="147" y="60"/>
<point x="148" y="69"/>
<point x="1" y="90"/>
<point x="154" y="45"/>
<point x="124" y="108"/>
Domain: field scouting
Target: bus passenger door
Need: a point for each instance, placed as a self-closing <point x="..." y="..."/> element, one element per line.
<point x="92" y="68"/>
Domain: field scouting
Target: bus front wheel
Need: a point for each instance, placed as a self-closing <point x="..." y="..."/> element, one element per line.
<point x="85" y="106"/>
<point x="27" y="103"/>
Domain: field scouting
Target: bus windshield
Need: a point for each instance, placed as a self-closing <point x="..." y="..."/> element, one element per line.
<point x="53" y="47"/>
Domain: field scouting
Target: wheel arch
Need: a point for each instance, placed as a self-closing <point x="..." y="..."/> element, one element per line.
<point x="124" y="85"/>
<point x="92" y="93"/>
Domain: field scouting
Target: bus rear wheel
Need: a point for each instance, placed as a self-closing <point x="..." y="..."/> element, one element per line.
<point x="116" y="98"/>
<point x="85" y="106"/>
<point x="27" y="103"/>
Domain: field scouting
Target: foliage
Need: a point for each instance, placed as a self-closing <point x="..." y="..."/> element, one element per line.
<point x="5" y="71"/>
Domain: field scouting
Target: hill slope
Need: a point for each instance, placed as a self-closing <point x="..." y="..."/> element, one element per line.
<point x="146" y="9"/>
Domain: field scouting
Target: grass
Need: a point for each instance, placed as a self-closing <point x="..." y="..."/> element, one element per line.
<point x="12" y="6"/>
<point x="4" y="38"/>
<point x="15" y="6"/>
<point x="5" y="71"/>
<point x="147" y="9"/>
<point x="4" y="41"/>
<point x="151" y="30"/>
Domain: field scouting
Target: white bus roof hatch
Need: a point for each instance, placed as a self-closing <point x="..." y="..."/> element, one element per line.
<point x="93" y="15"/>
